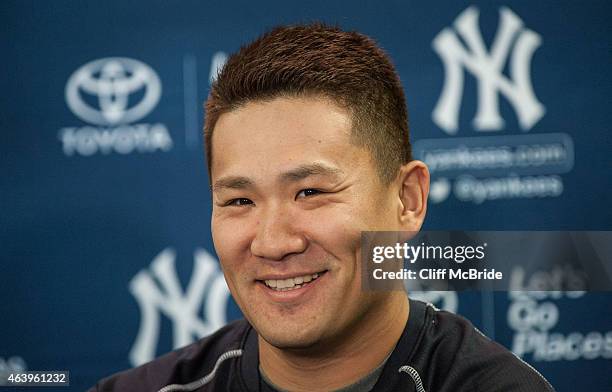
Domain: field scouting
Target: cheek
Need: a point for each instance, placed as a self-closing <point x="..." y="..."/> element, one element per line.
<point x="231" y="242"/>
<point x="337" y="230"/>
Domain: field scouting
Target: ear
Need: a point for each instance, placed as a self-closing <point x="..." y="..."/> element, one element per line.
<point x="413" y="181"/>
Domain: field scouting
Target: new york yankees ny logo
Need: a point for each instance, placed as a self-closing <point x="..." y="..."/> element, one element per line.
<point x="511" y="40"/>
<point x="159" y="292"/>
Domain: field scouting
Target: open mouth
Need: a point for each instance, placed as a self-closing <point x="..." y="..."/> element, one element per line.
<point x="292" y="283"/>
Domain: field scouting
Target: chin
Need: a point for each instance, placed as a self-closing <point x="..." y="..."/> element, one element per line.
<point x="289" y="338"/>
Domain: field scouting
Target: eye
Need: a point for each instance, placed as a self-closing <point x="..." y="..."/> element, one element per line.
<point x="307" y="192"/>
<point x="241" y="201"/>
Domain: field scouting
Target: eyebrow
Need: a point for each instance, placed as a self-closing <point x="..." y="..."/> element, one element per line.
<point x="297" y="174"/>
<point x="314" y="169"/>
<point x="233" y="182"/>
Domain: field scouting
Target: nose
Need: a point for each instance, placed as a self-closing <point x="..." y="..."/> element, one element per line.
<point x="277" y="235"/>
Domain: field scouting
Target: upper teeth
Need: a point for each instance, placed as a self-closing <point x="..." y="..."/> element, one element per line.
<point x="291" y="282"/>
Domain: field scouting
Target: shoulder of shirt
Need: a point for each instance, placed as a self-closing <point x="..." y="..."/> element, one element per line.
<point x="475" y="358"/>
<point x="181" y="366"/>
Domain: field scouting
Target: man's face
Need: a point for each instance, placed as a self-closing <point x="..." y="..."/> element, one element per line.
<point x="291" y="195"/>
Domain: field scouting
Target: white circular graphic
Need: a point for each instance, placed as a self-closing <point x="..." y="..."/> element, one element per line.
<point x="439" y="190"/>
<point x="111" y="81"/>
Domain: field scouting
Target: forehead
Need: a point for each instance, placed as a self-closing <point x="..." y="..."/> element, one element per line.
<point x="276" y="135"/>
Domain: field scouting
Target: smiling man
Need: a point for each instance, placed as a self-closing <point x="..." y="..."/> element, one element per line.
<point x="292" y="194"/>
<point x="308" y="146"/>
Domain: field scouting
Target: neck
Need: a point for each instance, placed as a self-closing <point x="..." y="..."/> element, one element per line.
<point x="337" y="364"/>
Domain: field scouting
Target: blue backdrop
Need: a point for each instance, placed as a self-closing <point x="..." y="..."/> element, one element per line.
<point x="107" y="259"/>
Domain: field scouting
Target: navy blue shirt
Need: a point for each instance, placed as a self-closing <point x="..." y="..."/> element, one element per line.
<point x="437" y="352"/>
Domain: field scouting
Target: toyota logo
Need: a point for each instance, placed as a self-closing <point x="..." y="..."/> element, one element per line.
<point x="99" y="92"/>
